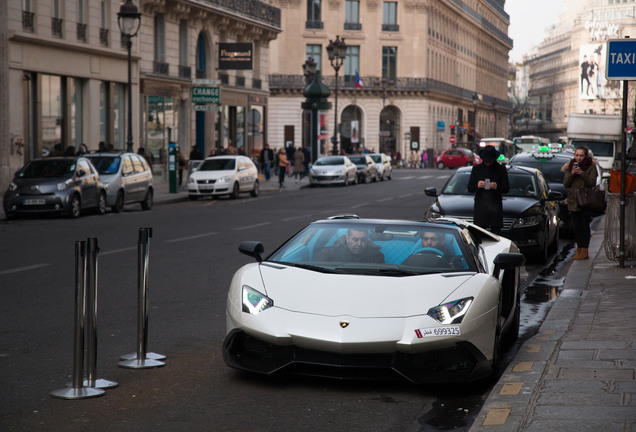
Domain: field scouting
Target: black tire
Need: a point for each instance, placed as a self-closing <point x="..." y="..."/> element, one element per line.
<point x="367" y="178"/>
<point x="146" y="204"/>
<point x="235" y="191"/>
<point x="440" y="165"/>
<point x="74" y="206"/>
<point x="541" y="256"/>
<point x="495" y="366"/>
<point x="193" y="197"/>
<point x="101" y="204"/>
<point x="554" y="246"/>
<point x="119" y="203"/>
<point x="255" y="190"/>
<point x="390" y="176"/>
<point x="9" y="216"/>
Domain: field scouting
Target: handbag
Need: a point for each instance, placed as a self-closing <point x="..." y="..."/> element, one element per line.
<point x="590" y="198"/>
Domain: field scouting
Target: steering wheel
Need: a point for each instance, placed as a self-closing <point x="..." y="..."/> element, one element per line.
<point x="428" y="250"/>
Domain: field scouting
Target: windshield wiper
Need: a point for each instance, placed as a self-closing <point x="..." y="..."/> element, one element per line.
<point x="309" y="267"/>
<point x="393" y="271"/>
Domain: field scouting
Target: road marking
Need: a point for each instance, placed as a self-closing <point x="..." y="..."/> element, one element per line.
<point x="496" y="416"/>
<point x="406" y="178"/>
<point x="251" y="226"/>
<point x="512" y="388"/>
<point x="191" y="237"/>
<point x="210" y="203"/>
<point x="295" y="217"/>
<point x="404" y="196"/>
<point x="25" y="268"/>
<point x="523" y="367"/>
<point x="385" y="199"/>
<point x="114" y="251"/>
<point x="534" y="348"/>
<point x="359" y="205"/>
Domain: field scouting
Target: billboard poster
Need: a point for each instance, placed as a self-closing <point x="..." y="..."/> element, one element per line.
<point x="322" y="134"/>
<point x="592" y="81"/>
<point x="355" y="131"/>
<point x="235" y="56"/>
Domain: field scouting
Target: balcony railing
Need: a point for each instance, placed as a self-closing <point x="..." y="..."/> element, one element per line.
<point x="240" y="81"/>
<point x="391" y="27"/>
<point x="254" y="9"/>
<point x="160" y="68"/>
<point x="185" y="72"/>
<point x="257" y="83"/>
<point x="352" y="26"/>
<point x="199" y="74"/>
<point x="314" y="24"/>
<point x="56" y="26"/>
<point x="103" y="36"/>
<point x="224" y="78"/>
<point x="81" y="32"/>
<point x="27" y="21"/>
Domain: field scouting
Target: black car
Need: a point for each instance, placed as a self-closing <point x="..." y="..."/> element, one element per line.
<point x="551" y="164"/>
<point x="365" y="168"/>
<point x="530" y="208"/>
<point x="63" y="185"/>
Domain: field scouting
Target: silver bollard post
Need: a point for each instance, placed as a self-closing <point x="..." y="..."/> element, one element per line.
<point x="142" y="359"/>
<point x="77" y="389"/>
<point x="91" y="278"/>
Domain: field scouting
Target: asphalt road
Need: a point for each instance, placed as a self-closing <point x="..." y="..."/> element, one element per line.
<point x="193" y="255"/>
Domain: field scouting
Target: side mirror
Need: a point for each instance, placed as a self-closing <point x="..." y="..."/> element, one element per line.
<point x="555" y="196"/>
<point x="253" y="249"/>
<point x="431" y="191"/>
<point x="507" y="261"/>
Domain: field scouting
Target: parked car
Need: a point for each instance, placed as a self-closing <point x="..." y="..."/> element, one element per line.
<point x="530" y="208"/>
<point x="550" y="164"/>
<point x="63" y="185"/>
<point x="223" y="175"/>
<point x="127" y="178"/>
<point x="455" y="157"/>
<point x="366" y="169"/>
<point x="333" y="170"/>
<point x="383" y="164"/>
<point x="420" y="315"/>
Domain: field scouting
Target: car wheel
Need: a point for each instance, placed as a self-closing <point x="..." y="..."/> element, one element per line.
<point x="554" y="246"/>
<point x="235" y="191"/>
<point x="390" y="176"/>
<point x="146" y="204"/>
<point x="440" y="165"/>
<point x="495" y="367"/>
<point x="254" y="192"/>
<point x="542" y="255"/>
<point x="382" y="176"/>
<point x="193" y="197"/>
<point x="375" y="177"/>
<point x="75" y="206"/>
<point x="367" y="178"/>
<point x="101" y="204"/>
<point x="119" y="203"/>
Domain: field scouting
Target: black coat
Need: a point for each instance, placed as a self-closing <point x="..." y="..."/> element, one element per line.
<point x="488" y="210"/>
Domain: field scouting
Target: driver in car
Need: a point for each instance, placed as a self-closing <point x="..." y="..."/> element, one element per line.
<point x="354" y="246"/>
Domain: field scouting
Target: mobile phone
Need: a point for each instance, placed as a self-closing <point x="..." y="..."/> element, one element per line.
<point x="576" y="164"/>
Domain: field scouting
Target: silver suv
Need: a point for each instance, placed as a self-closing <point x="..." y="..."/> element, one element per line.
<point x="127" y="178"/>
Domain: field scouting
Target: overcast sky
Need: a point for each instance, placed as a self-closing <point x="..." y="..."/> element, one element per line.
<point x="528" y="21"/>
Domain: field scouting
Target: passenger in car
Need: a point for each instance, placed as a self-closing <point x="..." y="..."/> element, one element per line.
<point x="354" y="246"/>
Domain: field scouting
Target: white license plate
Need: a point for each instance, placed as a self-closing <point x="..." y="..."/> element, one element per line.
<point x="206" y="188"/>
<point x="438" y="331"/>
<point x="34" y="201"/>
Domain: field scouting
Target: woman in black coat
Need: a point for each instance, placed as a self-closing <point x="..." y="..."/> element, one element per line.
<point x="489" y="181"/>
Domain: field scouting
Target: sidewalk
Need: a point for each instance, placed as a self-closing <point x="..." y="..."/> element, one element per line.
<point x="163" y="195"/>
<point x="578" y="373"/>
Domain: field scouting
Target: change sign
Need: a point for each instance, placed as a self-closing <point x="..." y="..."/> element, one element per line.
<point x="205" y="95"/>
<point x="621" y="59"/>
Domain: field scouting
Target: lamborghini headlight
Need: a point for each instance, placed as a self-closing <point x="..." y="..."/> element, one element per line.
<point x="255" y="302"/>
<point x="526" y="221"/>
<point x="451" y="313"/>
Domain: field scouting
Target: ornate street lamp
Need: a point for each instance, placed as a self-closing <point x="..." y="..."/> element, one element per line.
<point x="309" y="70"/>
<point x="337" y="51"/>
<point x="129" y="20"/>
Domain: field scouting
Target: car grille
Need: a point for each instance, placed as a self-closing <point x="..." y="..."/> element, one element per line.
<point x="207" y="181"/>
<point x="507" y="222"/>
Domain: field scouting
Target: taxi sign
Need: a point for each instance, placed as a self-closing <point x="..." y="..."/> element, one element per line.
<point x="621" y="59"/>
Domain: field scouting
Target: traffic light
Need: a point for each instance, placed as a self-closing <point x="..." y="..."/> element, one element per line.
<point x="452" y="129"/>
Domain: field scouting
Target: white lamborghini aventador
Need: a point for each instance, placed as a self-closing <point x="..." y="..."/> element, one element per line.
<point x="369" y="299"/>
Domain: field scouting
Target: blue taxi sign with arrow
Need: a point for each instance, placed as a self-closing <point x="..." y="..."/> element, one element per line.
<point x="621" y="59"/>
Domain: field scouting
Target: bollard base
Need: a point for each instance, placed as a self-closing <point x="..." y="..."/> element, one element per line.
<point x="150" y="355"/>
<point x="140" y="364"/>
<point x="77" y="393"/>
<point x="101" y="384"/>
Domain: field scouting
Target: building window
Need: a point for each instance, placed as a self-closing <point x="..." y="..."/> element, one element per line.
<point x="314" y="15"/>
<point x="389" y="20"/>
<point x="389" y="63"/>
<point x="81" y="20"/>
<point x="352" y="15"/>
<point x="184" y="69"/>
<point x="315" y="52"/>
<point x="56" y="18"/>
<point x="103" y="23"/>
<point x="351" y="65"/>
<point x="27" y="15"/>
<point x="160" y="65"/>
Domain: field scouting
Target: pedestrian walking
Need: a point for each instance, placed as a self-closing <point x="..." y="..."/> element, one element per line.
<point x="195" y="154"/>
<point x="580" y="172"/>
<point x="489" y="181"/>
<point x="283" y="163"/>
<point x="299" y="164"/>
<point x="267" y="157"/>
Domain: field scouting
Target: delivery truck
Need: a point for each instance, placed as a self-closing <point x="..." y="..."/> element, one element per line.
<point x="601" y="133"/>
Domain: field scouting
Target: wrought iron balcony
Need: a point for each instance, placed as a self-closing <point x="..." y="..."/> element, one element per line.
<point x="254" y="9"/>
<point x="240" y="81"/>
<point x="352" y="26"/>
<point x="199" y="73"/>
<point x="81" y="32"/>
<point x="314" y="24"/>
<point x="160" y="68"/>
<point x="185" y="72"/>
<point x="103" y="36"/>
<point x="391" y="27"/>
<point x="224" y="78"/>
<point x="257" y="83"/>
<point x="56" y="26"/>
<point x="27" y="21"/>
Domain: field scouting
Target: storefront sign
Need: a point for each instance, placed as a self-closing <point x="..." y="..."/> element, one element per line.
<point x="206" y="95"/>
<point x="235" y="56"/>
<point x="206" y="107"/>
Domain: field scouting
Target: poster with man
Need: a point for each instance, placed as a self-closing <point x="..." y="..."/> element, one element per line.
<point x="592" y="81"/>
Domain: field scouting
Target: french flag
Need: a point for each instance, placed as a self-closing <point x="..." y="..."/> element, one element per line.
<point x="359" y="81"/>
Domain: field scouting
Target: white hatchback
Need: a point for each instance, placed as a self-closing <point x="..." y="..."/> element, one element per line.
<point x="223" y="175"/>
<point x="333" y="170"/>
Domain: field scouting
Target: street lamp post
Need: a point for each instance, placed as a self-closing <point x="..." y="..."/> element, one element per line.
<point x="129" y="20"/>
<point x="475" y="101"/>
<point x="337" y="51"/>
<point x="494" y="113"/>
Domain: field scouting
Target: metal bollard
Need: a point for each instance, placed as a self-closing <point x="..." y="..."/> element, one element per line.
<point x="77" y="389"/>
<point x="91" y="278"/>
<point x="142" y="359"/>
